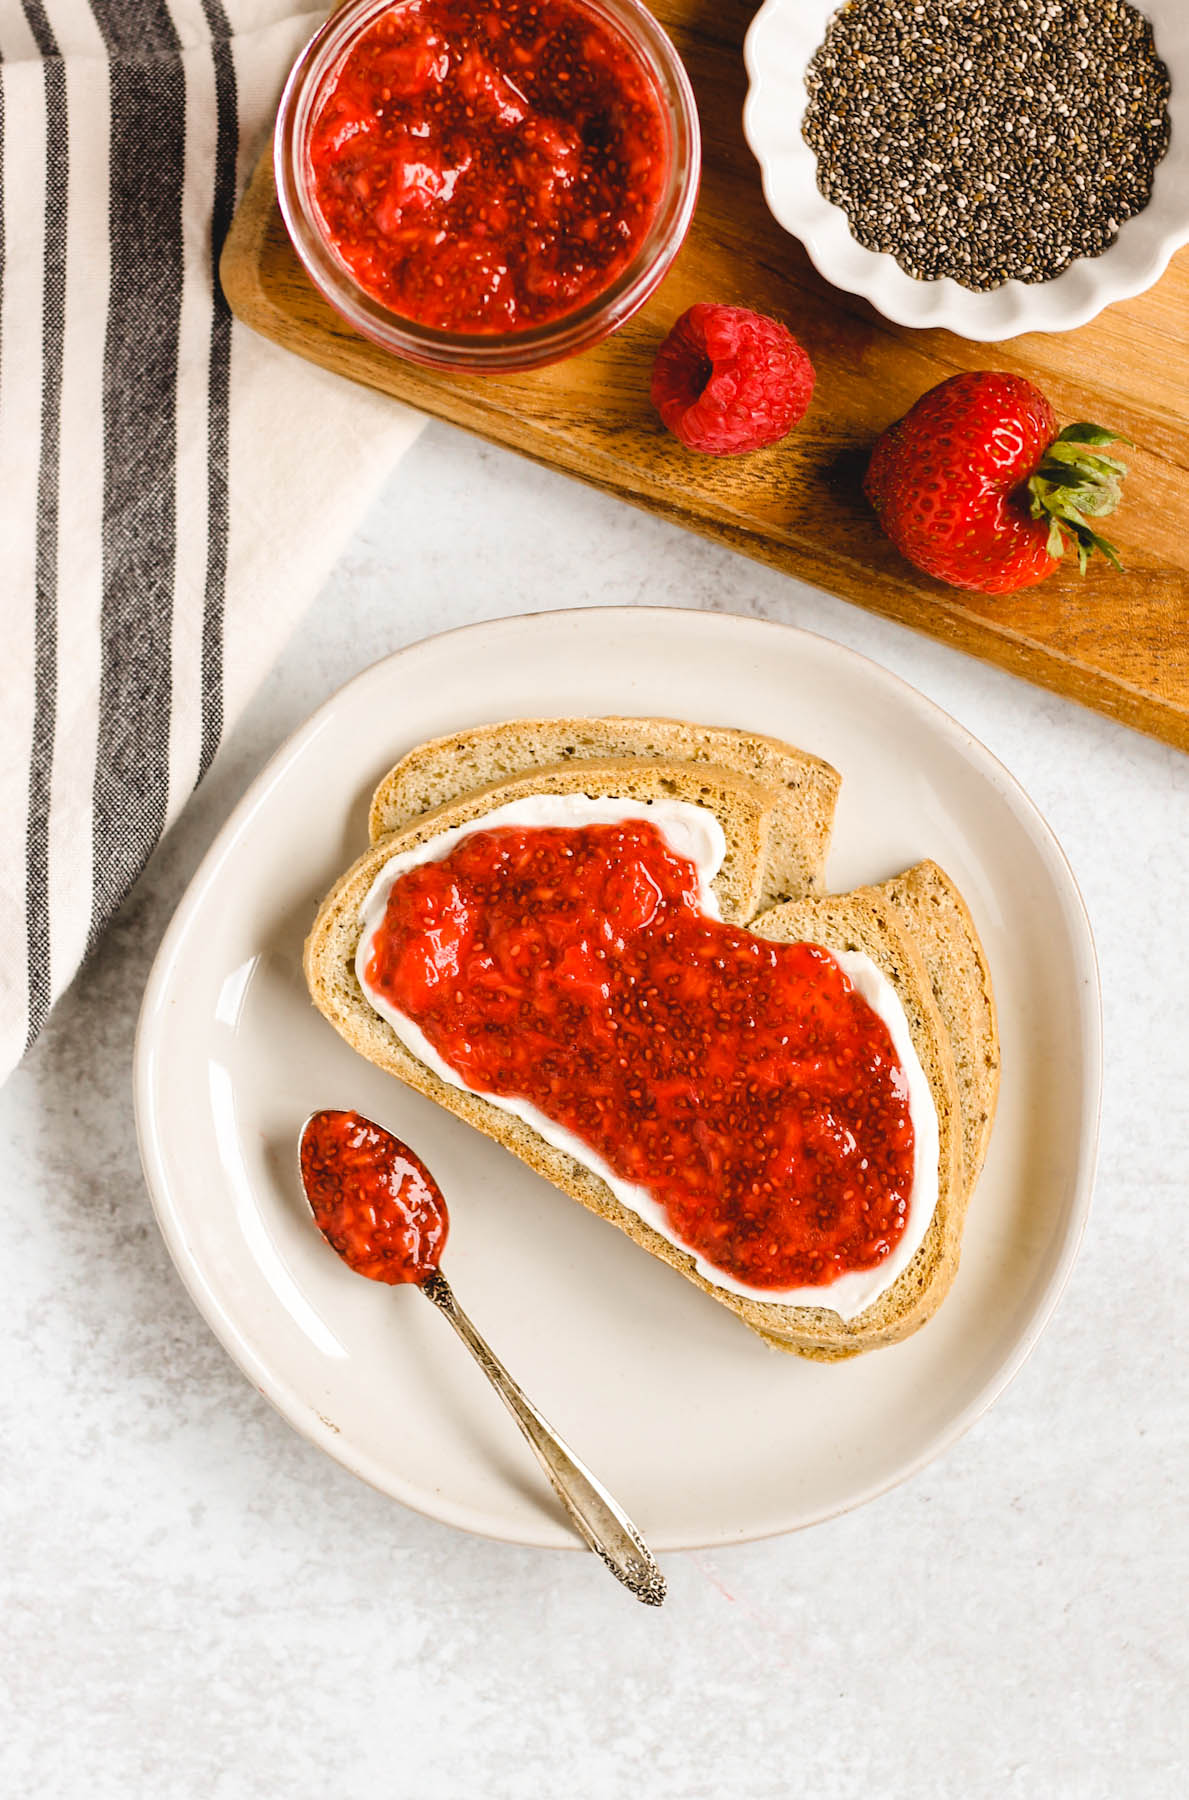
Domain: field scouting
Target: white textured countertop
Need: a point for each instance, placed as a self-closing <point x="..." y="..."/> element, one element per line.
<point x="197" y="1603"/>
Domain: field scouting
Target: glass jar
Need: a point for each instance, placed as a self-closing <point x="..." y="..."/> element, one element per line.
<point x="477" y="352"/>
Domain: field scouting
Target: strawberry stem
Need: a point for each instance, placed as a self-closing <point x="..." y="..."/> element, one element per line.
<point x="1075" y="483"/>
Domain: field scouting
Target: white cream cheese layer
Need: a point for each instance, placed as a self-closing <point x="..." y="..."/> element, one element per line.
<point x="692" y="832"/>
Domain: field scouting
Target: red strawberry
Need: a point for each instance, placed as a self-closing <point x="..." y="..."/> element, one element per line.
<point x="727" y="380"/>
<point x="976" y="487"/>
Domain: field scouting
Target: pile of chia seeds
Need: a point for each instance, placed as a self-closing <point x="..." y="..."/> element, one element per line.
<point x="988" y="140"/>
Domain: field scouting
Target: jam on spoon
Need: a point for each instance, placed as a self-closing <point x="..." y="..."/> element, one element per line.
<point x="373" y="1201"/>
<point x="379" y="1207"/>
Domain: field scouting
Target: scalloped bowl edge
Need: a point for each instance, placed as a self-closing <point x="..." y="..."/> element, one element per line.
<point x="785" y="34"/>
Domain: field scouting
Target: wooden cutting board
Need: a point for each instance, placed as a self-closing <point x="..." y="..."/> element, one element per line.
<point x="1116" y="642"/>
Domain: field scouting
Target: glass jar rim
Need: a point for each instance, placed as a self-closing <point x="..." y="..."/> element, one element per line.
<point x="538" y="344"/>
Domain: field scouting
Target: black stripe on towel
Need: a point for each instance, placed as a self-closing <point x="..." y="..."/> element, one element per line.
<point x="136" y="28"/>
<point x="147" y="166"/>
<point x="45" y="630"/>
<point x="219" y="387"/>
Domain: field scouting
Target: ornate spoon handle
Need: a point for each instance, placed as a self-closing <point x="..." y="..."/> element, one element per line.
<point x="603" y="1524"/>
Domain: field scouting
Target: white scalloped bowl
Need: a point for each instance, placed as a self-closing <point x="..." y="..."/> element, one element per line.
<point x="780" y="44"/>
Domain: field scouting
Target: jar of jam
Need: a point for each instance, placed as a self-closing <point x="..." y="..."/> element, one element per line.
<point x="487" y="185"/>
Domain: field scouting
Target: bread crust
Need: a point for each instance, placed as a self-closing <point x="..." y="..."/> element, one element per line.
<point x="866" y="920"/>
<point x="804" y="789"/>
<point x="941" y="927"/>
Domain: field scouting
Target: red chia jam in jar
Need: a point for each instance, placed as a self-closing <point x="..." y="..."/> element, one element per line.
<point x="486" y="166"/>
<point x="746" y="1085"/>
<point x="374" y="1201"/>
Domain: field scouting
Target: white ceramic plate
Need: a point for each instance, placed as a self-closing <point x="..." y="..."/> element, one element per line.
<point x="707" y="1436"/>
<point x="781" y="41"/>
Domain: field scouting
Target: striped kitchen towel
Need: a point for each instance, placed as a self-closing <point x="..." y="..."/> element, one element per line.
<point x="173" y="490"/>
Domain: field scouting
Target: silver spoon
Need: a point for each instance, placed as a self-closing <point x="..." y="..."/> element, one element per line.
<point x="600" y="1520"/>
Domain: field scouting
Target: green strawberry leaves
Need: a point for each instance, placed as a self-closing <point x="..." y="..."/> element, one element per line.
<point x="1075" y="483"/>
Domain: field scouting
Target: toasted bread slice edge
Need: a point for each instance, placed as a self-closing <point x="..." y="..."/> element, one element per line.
<point x="743" y="808"/>
<point x="866" y="920"/>
<point x="805" y="788"/>
<point x="945" y="935"/>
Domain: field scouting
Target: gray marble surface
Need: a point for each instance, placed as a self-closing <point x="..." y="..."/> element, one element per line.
<point x="197" y="1603"/>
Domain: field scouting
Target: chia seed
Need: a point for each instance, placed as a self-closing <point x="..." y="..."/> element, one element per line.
<point x="987" y="140"/>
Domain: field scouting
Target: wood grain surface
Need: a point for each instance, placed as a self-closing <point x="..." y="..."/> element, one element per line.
<point x="1116" y="642"/>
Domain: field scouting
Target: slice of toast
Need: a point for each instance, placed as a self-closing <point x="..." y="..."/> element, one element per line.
<point x="742" y="807"/>
<point x="804" y="788"/>
<point x="944" y="934"/>
<point x="865" y="920"/>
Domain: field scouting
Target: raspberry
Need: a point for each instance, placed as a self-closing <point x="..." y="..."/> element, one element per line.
<point x="727" y="380"/>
